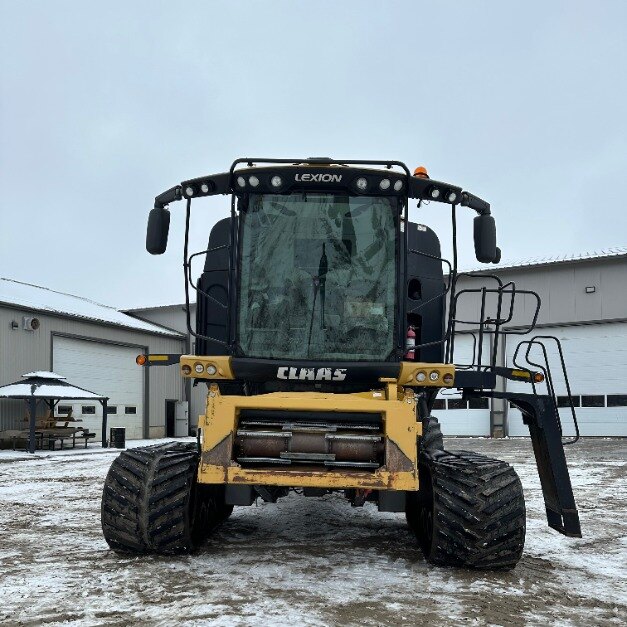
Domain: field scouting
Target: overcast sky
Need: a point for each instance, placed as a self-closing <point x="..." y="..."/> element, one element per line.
<point x="104" y="105"/>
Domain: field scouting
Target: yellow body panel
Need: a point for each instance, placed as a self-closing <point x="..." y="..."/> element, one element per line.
<point x="396" y="405"/>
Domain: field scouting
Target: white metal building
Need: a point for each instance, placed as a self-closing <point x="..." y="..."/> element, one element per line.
<point x="95" y="347"/>
<point x="584" y="304"/>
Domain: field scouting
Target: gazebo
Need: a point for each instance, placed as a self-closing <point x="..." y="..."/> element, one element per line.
<point x="50" y="388"/>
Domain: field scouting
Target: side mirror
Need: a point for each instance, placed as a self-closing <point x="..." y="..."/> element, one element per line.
<point x="157" y="231"/>
<point x="486" y="250"/>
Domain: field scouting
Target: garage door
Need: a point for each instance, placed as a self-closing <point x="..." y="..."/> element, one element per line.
<point x="596" y="358"/>
<point x="460" y="417"/>
<point x="108" y="370"/>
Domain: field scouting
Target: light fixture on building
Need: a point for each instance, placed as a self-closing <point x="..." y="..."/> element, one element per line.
<point x="29" y="323"/>
<point x="590" y="289"/>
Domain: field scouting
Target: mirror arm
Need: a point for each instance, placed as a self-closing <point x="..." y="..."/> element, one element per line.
<point x="172" y="195"/>
<point x="474" y="202"/>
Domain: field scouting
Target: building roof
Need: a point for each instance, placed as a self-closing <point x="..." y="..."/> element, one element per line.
<point x="42" y="299"/>
<point x="153" y="307"/>
<point x="619" y="251"/>
<point x="48" y="385"/>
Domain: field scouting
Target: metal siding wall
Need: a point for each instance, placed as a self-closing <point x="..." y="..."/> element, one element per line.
<point x="174" y="317"/>
<point x="22" y="351"/>
<point x="614" y="291"/>
<point x="165" y="382"/>
<point x="562" y="290"/>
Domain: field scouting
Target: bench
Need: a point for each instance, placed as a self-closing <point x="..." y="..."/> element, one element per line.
<point x="61" y="434"/>
<point x="24" y="435"/>
<point x="48" y="437"/>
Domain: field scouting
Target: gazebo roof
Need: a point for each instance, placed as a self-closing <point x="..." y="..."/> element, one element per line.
<point x="42" y="374"/>
<point x="49" y="385"/>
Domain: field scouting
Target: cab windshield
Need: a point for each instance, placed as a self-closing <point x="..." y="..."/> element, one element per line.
<point x="317" y="277"/>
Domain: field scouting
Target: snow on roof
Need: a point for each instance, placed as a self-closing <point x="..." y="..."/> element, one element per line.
<point x="44" y="384"/>
<point x="618" y="251"/>
<point x="153" y="307"/>
<point x="43" y="299"/>
<point x="43" y="374"/>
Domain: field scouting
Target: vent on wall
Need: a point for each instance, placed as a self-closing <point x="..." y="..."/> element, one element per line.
<point x="29" y="323"/>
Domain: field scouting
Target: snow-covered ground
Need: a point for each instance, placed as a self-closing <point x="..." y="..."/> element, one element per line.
<point x="305" y="561"/>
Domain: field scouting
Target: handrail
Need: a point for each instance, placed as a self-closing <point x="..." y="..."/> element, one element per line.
<point x="546" y="370"/>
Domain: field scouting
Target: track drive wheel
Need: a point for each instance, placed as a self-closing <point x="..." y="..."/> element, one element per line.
<point x="431" y="439"/>
<point x="151" y="501"/>
<point x="469" y="511"/>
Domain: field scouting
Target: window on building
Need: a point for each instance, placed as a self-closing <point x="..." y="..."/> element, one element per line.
<point x="562" y="401"/>
<point x="88" y="410"/>
<point x="130" y="410"/>
<point x="617" y="400"/>
<point x="64" y="410"/>
<point x="478" y="403"/>
<point x="439" y="403"/>
<point x="592" y="400"/>
<point x="457" y="403"/>
<point x="112" y="409"/>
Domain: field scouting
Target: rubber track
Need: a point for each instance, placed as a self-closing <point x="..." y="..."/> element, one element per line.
<point x="478" y="511"/>
<point x="147" y="501"/>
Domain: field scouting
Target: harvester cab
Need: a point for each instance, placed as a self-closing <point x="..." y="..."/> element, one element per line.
<point x="325" y="328"/>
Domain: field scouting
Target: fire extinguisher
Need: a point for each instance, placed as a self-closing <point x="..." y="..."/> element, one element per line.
<point x="410" y="343"/>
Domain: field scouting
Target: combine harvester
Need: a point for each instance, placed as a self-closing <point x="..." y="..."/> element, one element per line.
<point x="325" y="328"/>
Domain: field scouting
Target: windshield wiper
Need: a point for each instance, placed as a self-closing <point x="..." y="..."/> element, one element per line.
<point x="323" y="268"/>
<point x="319" y="282"/>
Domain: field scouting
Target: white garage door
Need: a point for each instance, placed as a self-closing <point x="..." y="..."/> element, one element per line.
<point x="459" y="417"/>
<point x="106" y="369"/>
<point x="596" y="359"/>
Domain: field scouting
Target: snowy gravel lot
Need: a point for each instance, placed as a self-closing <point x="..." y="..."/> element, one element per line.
<point x="305" y="561"/>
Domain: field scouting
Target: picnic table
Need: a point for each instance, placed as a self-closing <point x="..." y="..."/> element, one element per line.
<point x="51" y="429"/>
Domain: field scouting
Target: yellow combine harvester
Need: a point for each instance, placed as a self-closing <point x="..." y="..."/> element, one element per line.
<point x="323" y="337"/>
